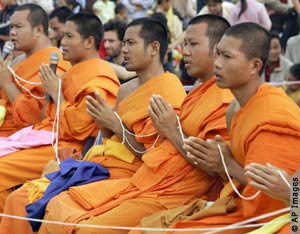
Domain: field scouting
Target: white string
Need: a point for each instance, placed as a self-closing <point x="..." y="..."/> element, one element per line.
<point x="122" y="126"/>
<point x="283" y="178"/>
<point x="254" y="219"/>
<point x="180" y="128"/>
<point x="230" y="180"/>
<point x="147" y="229"/>
<point x="56" y="122"/>
<point x="125" y="139"/>
<point x="17" y="78"/>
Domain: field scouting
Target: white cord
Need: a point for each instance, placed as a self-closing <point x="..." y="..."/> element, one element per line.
<point x="230" y="180"/>
<point x="122" y="126"/>
<point x="17" y="78"/>
<point x="180" y="128"/>
<point x="283" y="178"/>
<point x="56" y="122"/>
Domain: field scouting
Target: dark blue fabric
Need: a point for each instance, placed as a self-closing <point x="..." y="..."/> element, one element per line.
<point x="71" y="173"/>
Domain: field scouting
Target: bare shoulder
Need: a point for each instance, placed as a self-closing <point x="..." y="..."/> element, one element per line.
<point x="127" y="88"/>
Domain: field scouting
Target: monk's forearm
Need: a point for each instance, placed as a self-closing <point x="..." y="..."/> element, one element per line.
<point x="237" y="171"/>
<point x="11" y="91"/>
<point x="177" y="141"/>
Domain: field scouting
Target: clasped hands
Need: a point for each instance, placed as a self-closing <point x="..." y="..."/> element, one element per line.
<point x="102" y="113"/>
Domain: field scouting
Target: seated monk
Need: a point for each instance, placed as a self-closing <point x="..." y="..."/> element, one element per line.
<point x="22" y="99"/>
<point x="88" y="74"/>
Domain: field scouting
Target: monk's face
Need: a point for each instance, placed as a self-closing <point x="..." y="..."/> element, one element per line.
<point x="73" y="45"/>
<point x="137" y="56"/>
<point x="232" y="68"/>
<point x="198" y="56"/>
<point x="22" y="34"/>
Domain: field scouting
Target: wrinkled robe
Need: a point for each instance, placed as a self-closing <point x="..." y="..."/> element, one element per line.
<point x="75" y="124"/>
<point x="26" y="110"/>
<point x="265" y="130"/>
<point x="165" y="180"/>
<point x="133" y="111"/>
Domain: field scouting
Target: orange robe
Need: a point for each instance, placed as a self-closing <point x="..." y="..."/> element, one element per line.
<point x="134" y="114"/>
<point x="165" y="180"/>
<point x="265" y="130"/>
<point x="75" y="125"/>
<point x="26" y="110"/>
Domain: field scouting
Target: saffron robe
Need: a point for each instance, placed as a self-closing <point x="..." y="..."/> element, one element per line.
<point x="265" y="130"/>
<point x="75" y="124"/>
<point x="133" y="110"/>
<point x="165" y="180"/>
<point x="26" y="110"/>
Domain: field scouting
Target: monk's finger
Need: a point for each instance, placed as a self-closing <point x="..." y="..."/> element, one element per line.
<point x="262" y="168"/>
<point x="199" y="152"/>
<point x="92" y="104"/>
<point x="259" y="186"/>
<point x="154" y="106"/>
<point x="191" y="158"/>
<point x="162" y="102"/>
<point x="196" y="143"/>
<point x="257" y="178"/>
<point x="99" y="98"/>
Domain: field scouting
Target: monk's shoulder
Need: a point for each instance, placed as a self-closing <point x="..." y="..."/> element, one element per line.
<point x="127" y="88"/>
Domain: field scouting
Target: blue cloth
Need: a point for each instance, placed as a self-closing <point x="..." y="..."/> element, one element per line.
<point x="71" y="173"/>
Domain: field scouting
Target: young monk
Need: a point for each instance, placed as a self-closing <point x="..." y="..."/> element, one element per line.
<point x="166" y="179"/>
<point x="29" y="34"/>
<point x="132" y="107"/>
<point x="265" y="129"/>
<point x="82" y="37"/>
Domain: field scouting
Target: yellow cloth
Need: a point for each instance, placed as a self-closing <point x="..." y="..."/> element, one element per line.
<point x="111" y="147"/>
<point x="274" y="225"/>
<point x="2" y="114"/>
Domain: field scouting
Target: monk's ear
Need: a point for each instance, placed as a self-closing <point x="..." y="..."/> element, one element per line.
<point x="256" y="65"/>
<point x="39" y="30"/>
<point x="89" y="42"/>
<point x="155" y="48"/>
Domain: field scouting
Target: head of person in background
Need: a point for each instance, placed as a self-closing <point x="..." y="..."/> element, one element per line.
<point x="83" y="33"/>
<point x="121" y="13"/>
<point x="164" y="5"/>
<point x="145" y="45"/>
<point x="275" y="49"/>
<point x="73" y="5"/>
<point x="29" y="28"/>
<point x="57" y="20"/>
<point x="214" y="7"/>
<point x="294" y="75"/>
<point x="114" y="31"/>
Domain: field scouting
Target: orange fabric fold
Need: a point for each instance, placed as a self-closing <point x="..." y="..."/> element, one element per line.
<point x="26" y="110"/>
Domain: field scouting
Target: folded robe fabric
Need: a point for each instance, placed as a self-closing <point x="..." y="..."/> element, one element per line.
<point x="72" y="173"/>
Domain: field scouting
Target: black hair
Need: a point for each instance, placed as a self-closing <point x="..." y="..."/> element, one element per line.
<point x="255" y="40"/>
<point x="244" y="6"/>
<point x="62" y="13"/>
<point x="295" y="71"/>
<point x="118" y="26"/>
<point x="88" y="25"/>
<point x="37" y="16"/>
<point x="217" y="25"/>
<point x="152" y="30"/>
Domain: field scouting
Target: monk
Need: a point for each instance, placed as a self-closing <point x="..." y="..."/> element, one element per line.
<point x="132" y="107"/>
<point x="82" y="36"/>
<point x="166" y="179"/>
<point x="23" y="101"/>
<point x="265" y="129"/>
